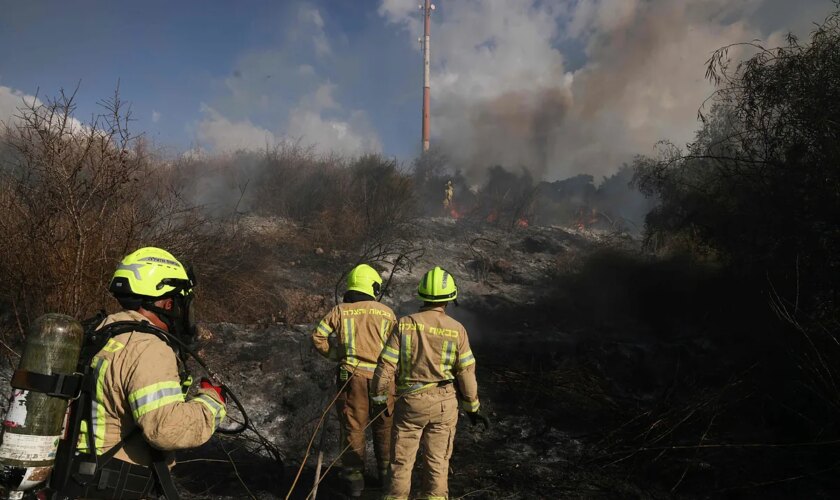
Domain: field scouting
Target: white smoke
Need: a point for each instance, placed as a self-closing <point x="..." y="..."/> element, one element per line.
<point x="12" y="102"/>
<point x="15" y="103"/>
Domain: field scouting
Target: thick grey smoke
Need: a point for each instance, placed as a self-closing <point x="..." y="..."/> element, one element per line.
<point x="581" y="86"/>
<point x="516" y="129"/>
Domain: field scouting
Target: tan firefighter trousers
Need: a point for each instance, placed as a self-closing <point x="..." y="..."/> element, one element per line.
<point x="428" y="418"/>
<point x="352" y="405"/>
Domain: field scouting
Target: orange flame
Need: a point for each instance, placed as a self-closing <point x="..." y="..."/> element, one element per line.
<point x="522" y="222"/>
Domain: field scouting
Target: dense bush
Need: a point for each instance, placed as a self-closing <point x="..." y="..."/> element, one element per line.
<point x="759" y="191"/>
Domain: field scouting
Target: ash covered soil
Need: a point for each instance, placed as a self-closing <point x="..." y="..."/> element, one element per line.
<point x="555" y="376"/>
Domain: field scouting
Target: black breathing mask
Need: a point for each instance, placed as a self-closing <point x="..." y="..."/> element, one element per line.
<point x="181" y="318"/>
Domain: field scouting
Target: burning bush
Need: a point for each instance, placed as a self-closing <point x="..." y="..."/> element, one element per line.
<point x="507" y="199"/>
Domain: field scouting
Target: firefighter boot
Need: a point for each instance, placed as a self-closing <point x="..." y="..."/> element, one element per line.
<point x="352" y="482"/>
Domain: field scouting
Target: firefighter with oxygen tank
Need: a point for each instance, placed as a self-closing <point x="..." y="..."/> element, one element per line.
<point x="132" y="412"/>
<point x="33" y="423"/>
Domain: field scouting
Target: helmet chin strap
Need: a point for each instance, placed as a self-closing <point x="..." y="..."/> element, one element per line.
<point x="178" y="320"/>
<point x="165" y="316"/>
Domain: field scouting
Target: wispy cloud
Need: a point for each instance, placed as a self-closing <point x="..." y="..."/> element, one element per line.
<point x="311" y="17"/>
<point x="14" y="103"/>
<point x="222" y="134"/>
<point x="11" y="101"/>
<point x="281" y="94"/>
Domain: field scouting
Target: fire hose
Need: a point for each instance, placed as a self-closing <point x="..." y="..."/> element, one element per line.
<point x="226" y="391"/>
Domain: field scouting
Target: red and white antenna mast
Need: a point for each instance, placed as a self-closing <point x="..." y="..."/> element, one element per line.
<point x="427" y="9"/>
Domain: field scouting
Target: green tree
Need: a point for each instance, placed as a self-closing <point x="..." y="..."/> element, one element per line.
<point x="759" y="188"/>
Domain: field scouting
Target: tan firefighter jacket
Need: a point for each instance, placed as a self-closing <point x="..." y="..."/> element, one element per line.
<point x="354" y="334"/>
<point x="426" y="348"/>
<point x="137" y="384"/>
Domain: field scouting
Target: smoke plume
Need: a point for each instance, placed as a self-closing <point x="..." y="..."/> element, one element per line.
<point x="580" y="86"/>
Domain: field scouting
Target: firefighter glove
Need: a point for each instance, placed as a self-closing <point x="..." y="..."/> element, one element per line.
<point x="476" y="418"/>
<point x="206" y="384"/>
<point x="378" y="406"/>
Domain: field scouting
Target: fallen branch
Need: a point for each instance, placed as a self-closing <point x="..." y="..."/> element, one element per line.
<point x="314" y="434"/>
<point x="236" y="471"/>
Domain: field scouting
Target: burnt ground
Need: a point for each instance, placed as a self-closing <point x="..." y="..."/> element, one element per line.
<point x="601" y="369"/>
<point x="542" y="400"/>
<point x="541" y="376"/>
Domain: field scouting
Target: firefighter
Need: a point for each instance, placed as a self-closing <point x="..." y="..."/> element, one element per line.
<point x="428" y="351"/>
<point x="448" y="193"/>
<point x="353" y="333"/>
<point x="139" y="414"/>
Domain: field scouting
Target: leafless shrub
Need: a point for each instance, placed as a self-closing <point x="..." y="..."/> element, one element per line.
<point x="482" y="262"/>
<point x="74" y="198"/>
<point x="350" y="205"/>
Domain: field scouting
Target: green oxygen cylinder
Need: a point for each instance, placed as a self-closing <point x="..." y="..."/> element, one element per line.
<point x="34" y="422"/>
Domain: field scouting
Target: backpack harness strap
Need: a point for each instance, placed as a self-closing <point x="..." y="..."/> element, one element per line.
<point x="69" y="385"/>
<point x="95" y="476"/>
<point x="60" y="385"/>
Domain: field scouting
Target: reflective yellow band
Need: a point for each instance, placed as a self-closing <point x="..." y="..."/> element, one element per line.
<point x="385" y="329"/>
<point x="405" y="358"/>
<point x="324" y="329"/>
<point x="216" y="409"/>
<point x="364" y="365"/>
<point x="405" y="389"/>
<point x="466" y="360"/>
<point x="350" y="337"/>
<point x="471" y="406"/>
<point x="447" y="358"/>
<point x="379" y="400"/>
<point x="97" y="413"/>
<point x="83" y="431"/>
<point x="154" y="396"/>
<point x="390" y="354"/>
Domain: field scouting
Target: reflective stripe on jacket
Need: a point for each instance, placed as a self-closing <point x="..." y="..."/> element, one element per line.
<point x="426" y="348"/>
<point x="137" y="383"/>
<point x="359" y="331"/>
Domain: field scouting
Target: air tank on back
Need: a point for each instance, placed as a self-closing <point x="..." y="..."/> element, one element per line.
<point x="34" y="422"/>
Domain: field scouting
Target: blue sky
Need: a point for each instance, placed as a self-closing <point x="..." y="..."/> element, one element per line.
<point x="170" y="57"/>
<point x="560" y="86"/>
